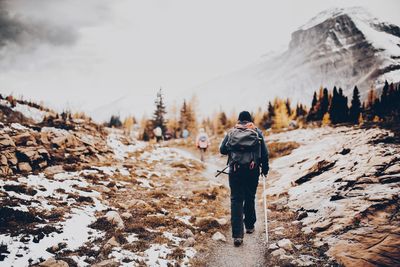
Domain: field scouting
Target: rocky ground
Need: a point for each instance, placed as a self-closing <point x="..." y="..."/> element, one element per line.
<point x="342" y="188"/>
<point x="74" y="193"/>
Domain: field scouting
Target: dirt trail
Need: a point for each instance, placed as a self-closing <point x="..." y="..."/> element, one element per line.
<point x="252" y="252"/>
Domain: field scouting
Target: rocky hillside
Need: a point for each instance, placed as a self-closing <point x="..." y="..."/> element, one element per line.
<point x="344" y="185"/>
<point x="342" y="47"/>
<point x="73" y="193"/>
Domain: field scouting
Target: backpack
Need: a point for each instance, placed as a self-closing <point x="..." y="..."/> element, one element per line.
<point x="203" y="143"/>
<point x="244" y="146"/>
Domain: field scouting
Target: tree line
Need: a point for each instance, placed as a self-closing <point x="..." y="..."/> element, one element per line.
<point x="327" y="108"/>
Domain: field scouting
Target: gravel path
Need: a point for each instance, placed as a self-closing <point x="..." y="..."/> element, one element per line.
<point x="252" y="252"/>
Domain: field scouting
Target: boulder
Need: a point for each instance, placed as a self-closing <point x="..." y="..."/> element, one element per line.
<point x="279" y="253"/>
<point x="134" y="203"/>
<point x="187" y="233"/>
<point x="218" y="237"/>
<point x="115" y="219"/>
<point x="11" y="157"/>
<point x="51" y="262"/>
<point x="6" y="141"/>
<point x="3" y="160"/>
<point x="222" y="221"/>
<point x="28" y="154"/>
<point x="43" y="152"/>
<point x="322" y="226"/>
<point x="185" y="211"/>
<point x="286" y="244"/>
<point x="394" y="169"/>
<point x="24" y="167"/>
<point x="304" y="260"/>
<point x="5" y="170"/>
<point x="190" y="242"/>
<point x="23" y="139"/>
<point x="273" y="246"/>
<point x="57" y="247"/>
<point x="49" y="171"/>
<point x="126" y="215"/>
<point x="112" y="242"/>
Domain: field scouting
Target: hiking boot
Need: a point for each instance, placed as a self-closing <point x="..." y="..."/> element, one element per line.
<point x="237" y="241"/>
<point x="250" y="230"/>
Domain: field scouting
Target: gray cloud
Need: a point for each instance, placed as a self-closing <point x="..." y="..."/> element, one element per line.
<point x="26" y="24"/>
<point x="23" y="30"/>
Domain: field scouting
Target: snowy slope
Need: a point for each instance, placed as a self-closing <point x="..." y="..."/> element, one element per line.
<point x="343" y="47"/>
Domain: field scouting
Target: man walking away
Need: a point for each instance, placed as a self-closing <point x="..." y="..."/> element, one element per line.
<point x="247" y="153"/>
<point x="202" y="143"/>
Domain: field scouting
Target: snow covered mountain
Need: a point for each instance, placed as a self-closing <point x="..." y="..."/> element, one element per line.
<point x="342" y="47"/>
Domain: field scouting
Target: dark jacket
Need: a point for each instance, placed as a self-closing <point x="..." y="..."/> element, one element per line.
<point x="264" y="151"/>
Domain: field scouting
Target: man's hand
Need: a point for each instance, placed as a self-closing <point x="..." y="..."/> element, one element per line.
<point x="264" y="170"/>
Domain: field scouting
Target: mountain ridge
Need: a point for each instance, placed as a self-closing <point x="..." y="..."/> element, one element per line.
<point x="342" y="46"/>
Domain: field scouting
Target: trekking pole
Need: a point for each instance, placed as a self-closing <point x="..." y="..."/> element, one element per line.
<point x="265" y="209"/>
<point x="223" y="171"/>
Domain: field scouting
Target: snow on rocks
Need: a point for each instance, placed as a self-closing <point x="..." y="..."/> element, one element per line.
<point x="335" y="180"/>
<point x="122" y="145"/>
<point x="32" y="113"/>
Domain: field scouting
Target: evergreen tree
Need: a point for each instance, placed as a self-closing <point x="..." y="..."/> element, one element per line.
<point x="355" y="108"/>
<point x="343" y="111"/>
<point x="300" y="111"/>
<point x="288" y="108"/>
<point x="333" y="110"/>
<point x="115" y="121"/>
<point x="313" y="110"/>
<point x="324" y="104"/>
<point x="268" y="116"/>
<point x="159" y="113"/>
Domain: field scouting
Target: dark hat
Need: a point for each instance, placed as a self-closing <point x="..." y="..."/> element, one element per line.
<point x="245" y="116"/>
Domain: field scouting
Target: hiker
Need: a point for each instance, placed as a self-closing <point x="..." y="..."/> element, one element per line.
<point x="247" y="154"/>
<point x="202" y="142"/>
<point x="185" y="135"/>
<point x="158" y="133"/>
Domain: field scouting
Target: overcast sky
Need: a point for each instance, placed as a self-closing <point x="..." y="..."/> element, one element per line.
<point x="97" y="53"/>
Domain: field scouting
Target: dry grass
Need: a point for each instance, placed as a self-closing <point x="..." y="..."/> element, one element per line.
<point x="280" y="149"/>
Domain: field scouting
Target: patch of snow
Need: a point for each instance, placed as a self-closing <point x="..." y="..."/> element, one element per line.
<point x="5" y="103"/>
<point x="120" y="150"/>
<point x="18" y="126"/>
<point x="132" y="238"/>
<point x="75" y="233"/>
<point x="35" y="114"/>
<point x="170" y="236"/>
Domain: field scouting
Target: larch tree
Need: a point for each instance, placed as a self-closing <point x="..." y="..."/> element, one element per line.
<point x="281" y="117"/>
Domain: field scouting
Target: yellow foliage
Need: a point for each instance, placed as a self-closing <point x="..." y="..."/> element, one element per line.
<point x="281" y="117"/>
<point x="376" y="119"/>
<point x="128" y="123"/>
<point x="326" y="120"/>
<point x="360" y="119"/>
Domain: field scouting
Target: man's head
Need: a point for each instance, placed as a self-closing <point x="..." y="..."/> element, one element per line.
<point x="245" y="116"/>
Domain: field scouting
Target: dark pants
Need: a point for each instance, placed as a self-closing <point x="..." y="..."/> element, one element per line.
<point x="243" y="183"/>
